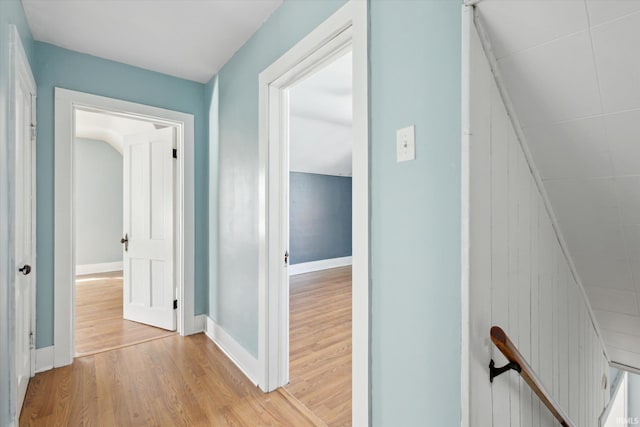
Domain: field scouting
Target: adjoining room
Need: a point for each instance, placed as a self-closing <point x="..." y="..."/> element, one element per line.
<point x="100" y="323"/>
<point x="320" y="241"/>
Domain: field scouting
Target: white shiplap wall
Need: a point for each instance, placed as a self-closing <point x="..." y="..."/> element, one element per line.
<point x="519" y="278"/>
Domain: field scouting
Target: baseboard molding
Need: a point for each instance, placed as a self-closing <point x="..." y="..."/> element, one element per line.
<point x="199" y="323"/>
<point x="104" y="267"/>
<point x="44" y="359"/>
<point x="323" y="264"/>
<point x="229" y="346"/>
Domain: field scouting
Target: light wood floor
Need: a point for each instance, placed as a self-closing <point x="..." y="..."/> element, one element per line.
<point x="99" y="322"/>
<point x="188" y="381"/>
<point x="320" y="343"/>
<point x="172" y="381"/>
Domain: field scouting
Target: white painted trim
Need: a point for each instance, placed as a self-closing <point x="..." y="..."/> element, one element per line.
<point x="522" y="140"/>
<point x="200" y="323"/>
<point x="323" y="264"/>
<point x="234" y="350"/>
<point x="66" y="102"/>
<point x="44" y="359"/>
<point x="347" y="28"/>
<point x="624" y="367"/>
<point x="607" y="409"/>
<point x="104" y="267"/>
<point x="465" y="192"/>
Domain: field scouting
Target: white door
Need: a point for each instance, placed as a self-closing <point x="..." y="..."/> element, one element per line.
<point x="148" y="246"/>
<point x="24" y="235"/>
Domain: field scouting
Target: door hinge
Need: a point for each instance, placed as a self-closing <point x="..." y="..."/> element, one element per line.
<point x="175" y="304"/>
<point x="31" y="343"/>
<point x="175" y="153"/>
<point x="34" y="132"/>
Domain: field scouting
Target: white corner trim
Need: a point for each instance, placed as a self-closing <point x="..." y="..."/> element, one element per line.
<point x="199" y="323"/>
<point x="323" y="264"/>
<point x="44" y="359"/>
<point x="234" y="351"/>
<point x="104" y="267"/>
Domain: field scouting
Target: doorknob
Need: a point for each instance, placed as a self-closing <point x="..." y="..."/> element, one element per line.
<point x="26" y="269"/>
<point x="125" y="242"/>
<point x="286" y="257"/>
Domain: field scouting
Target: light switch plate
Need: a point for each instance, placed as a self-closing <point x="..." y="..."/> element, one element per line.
<point x="406" y="143"/>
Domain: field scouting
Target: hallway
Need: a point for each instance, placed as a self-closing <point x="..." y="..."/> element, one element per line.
<point x="173" y="381"/>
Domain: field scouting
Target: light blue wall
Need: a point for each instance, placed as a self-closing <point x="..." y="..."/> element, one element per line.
<point x="234" y="293"/>
<point x="415" y="217"/>
<point x="415" y="206"/>
<point x="98" y="186"/>
<point x="320" y="217"/>
<point x="10" y="13"/>
<point x="55" y="66"/>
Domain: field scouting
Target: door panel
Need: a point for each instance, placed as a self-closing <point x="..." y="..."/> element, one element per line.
<point x="148" y="222"/>
<point x="23" y="244"/>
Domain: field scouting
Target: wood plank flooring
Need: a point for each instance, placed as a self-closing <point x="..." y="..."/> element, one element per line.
<point x="320" y="343"/>
<point x="188" y="381"/>
<point x="99" y="322"/>
<point x="172" y="381"/>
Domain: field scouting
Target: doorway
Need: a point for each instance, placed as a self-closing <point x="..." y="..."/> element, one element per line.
<point x="141" y="150"/>
<point x="115" y="305"/>
<point x="320" y="240"/>
<point x="343" y="32"/>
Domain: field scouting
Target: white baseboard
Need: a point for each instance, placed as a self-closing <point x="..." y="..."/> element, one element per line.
<point x="44" y="359"/>
<point x="238" y="354"/>
<point x="323" y="264"/>
<point x="105" y="267"/>
<point x="200" y="323"/>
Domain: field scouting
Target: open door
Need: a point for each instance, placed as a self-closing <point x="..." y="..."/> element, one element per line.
<point x="24" y="238"/>
<point x="148" y="243"/>
<point x="24" y="221"/>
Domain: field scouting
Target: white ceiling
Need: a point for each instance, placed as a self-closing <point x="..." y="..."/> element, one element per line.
<point x="109" y="128"/>
<point x="572" y="70"/>
<point x="191" y="39"/>
<point x="321" y="118"/>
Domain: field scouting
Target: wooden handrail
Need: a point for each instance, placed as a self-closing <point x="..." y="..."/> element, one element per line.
<point x="518" y="363"/>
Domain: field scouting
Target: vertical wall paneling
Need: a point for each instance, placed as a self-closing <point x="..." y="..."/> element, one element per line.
<point x="524" y="283"/>
<point x="535" y="297"/>
<point x="499" y="243"/>
<point x="513" y="198"/>
<point x="520" y="278"/>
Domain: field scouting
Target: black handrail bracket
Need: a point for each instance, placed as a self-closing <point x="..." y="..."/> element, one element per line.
<point x="494" y="372"/>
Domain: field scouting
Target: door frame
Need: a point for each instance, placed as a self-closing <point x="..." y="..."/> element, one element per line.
<point x="345" y="29"/>
<point x="20" y="70"/>
<point x="66" y="103"/>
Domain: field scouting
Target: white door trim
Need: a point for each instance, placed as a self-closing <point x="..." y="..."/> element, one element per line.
<point x="347" y="28"/>
<point x="66" y="102"/>
<point x="20" y="71"/>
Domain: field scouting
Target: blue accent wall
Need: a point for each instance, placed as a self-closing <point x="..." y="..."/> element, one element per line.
<point x="319" y="217"/>
<point x="59" y="67"/>
<point x="415" y="213"/>
<point x="11" y="13"/>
